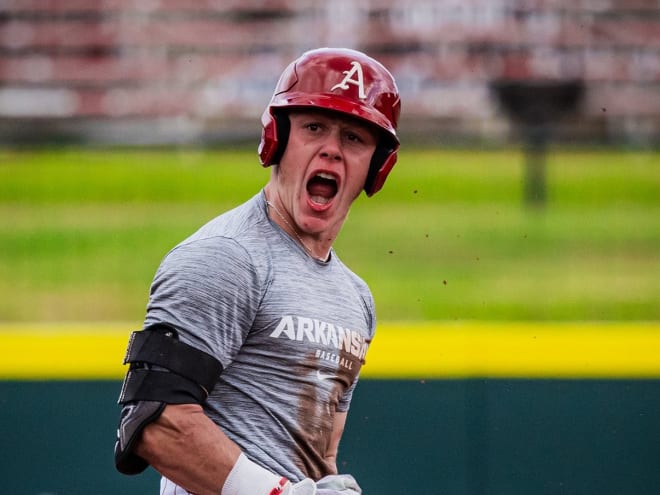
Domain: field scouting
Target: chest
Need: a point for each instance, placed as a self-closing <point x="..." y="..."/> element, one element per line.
<point x="314" y="320"/>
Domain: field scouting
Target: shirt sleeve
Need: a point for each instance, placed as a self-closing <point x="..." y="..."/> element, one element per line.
<point x="209" y="291"/>
<point x="367" y="299"/>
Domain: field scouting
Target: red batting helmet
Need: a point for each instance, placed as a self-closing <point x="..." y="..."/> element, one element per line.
<point x="342" y="80"/>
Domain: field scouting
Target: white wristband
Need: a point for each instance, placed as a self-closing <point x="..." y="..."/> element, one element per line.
<point x="248" y="478"/>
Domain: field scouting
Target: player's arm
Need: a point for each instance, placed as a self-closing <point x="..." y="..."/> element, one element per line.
<point x="185" y="446"/>
<point x="337" y="432"/>
<point x="162" y="422"/>
<point x="337" y="484"/>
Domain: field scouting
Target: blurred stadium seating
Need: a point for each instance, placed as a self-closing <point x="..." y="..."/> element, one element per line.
<point x="173" y="71"/>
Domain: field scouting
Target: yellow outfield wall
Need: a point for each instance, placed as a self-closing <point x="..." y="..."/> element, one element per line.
<point x="401" y="350"/>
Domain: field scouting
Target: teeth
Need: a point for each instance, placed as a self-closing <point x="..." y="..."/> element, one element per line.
<point x="323" y="175"/>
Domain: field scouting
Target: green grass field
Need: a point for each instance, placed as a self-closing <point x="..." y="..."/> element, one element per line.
<point x="448" y="238"/>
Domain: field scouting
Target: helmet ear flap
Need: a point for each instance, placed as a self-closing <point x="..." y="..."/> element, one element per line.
<point x="274" y="137"/>
<point x="382" y="161"/>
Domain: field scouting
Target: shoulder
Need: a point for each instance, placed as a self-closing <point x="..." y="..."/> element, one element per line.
<point x="239" y="223"/>
<point x="359" y="285"/>
<point x="231" y="245"/>
<point x="353" y="277"/>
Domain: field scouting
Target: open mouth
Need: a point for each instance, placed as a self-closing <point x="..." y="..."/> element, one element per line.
<point x="322" y="187"/>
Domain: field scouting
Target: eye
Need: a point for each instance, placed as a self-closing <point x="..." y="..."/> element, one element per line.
<point x="313" y="126"/>
<point x="353" y="137"/>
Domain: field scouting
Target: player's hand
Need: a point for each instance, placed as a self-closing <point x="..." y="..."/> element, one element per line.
<point x="338" y="484"/>
<point x="304" y="487"/>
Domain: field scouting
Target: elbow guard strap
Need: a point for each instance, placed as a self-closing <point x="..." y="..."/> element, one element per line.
<point x="162" y="371"/>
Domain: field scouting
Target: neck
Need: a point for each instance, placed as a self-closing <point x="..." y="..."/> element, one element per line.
<point x="279" y="216"/>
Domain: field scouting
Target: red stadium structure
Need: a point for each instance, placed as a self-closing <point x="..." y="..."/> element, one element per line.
<point x="172" y="71"/>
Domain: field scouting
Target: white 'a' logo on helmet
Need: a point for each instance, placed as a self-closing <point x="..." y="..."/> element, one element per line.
<point x="358" y="81"/>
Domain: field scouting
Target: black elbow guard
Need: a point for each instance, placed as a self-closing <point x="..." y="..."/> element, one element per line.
<point x="162" y="371"/>
<point x="134" y="417"/>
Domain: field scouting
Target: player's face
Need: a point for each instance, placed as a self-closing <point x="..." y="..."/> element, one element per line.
<point x="323" y="169"/>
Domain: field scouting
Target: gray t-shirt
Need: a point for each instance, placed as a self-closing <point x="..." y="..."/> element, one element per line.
<point x="291" y="333"/>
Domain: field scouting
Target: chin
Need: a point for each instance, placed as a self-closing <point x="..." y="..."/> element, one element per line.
<point x="311" y="224"/>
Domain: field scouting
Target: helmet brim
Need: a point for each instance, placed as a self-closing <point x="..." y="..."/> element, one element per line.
<point x="336" y="103"/>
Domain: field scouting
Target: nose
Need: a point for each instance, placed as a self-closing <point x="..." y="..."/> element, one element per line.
<point x="331" y="148"/>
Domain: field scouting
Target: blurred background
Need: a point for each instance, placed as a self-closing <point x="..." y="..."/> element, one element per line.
<point x="172" y="72"/>
<point x="514" y="252"/>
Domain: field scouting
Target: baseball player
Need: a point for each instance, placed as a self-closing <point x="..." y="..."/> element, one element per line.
<point x="255" y="332"/>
